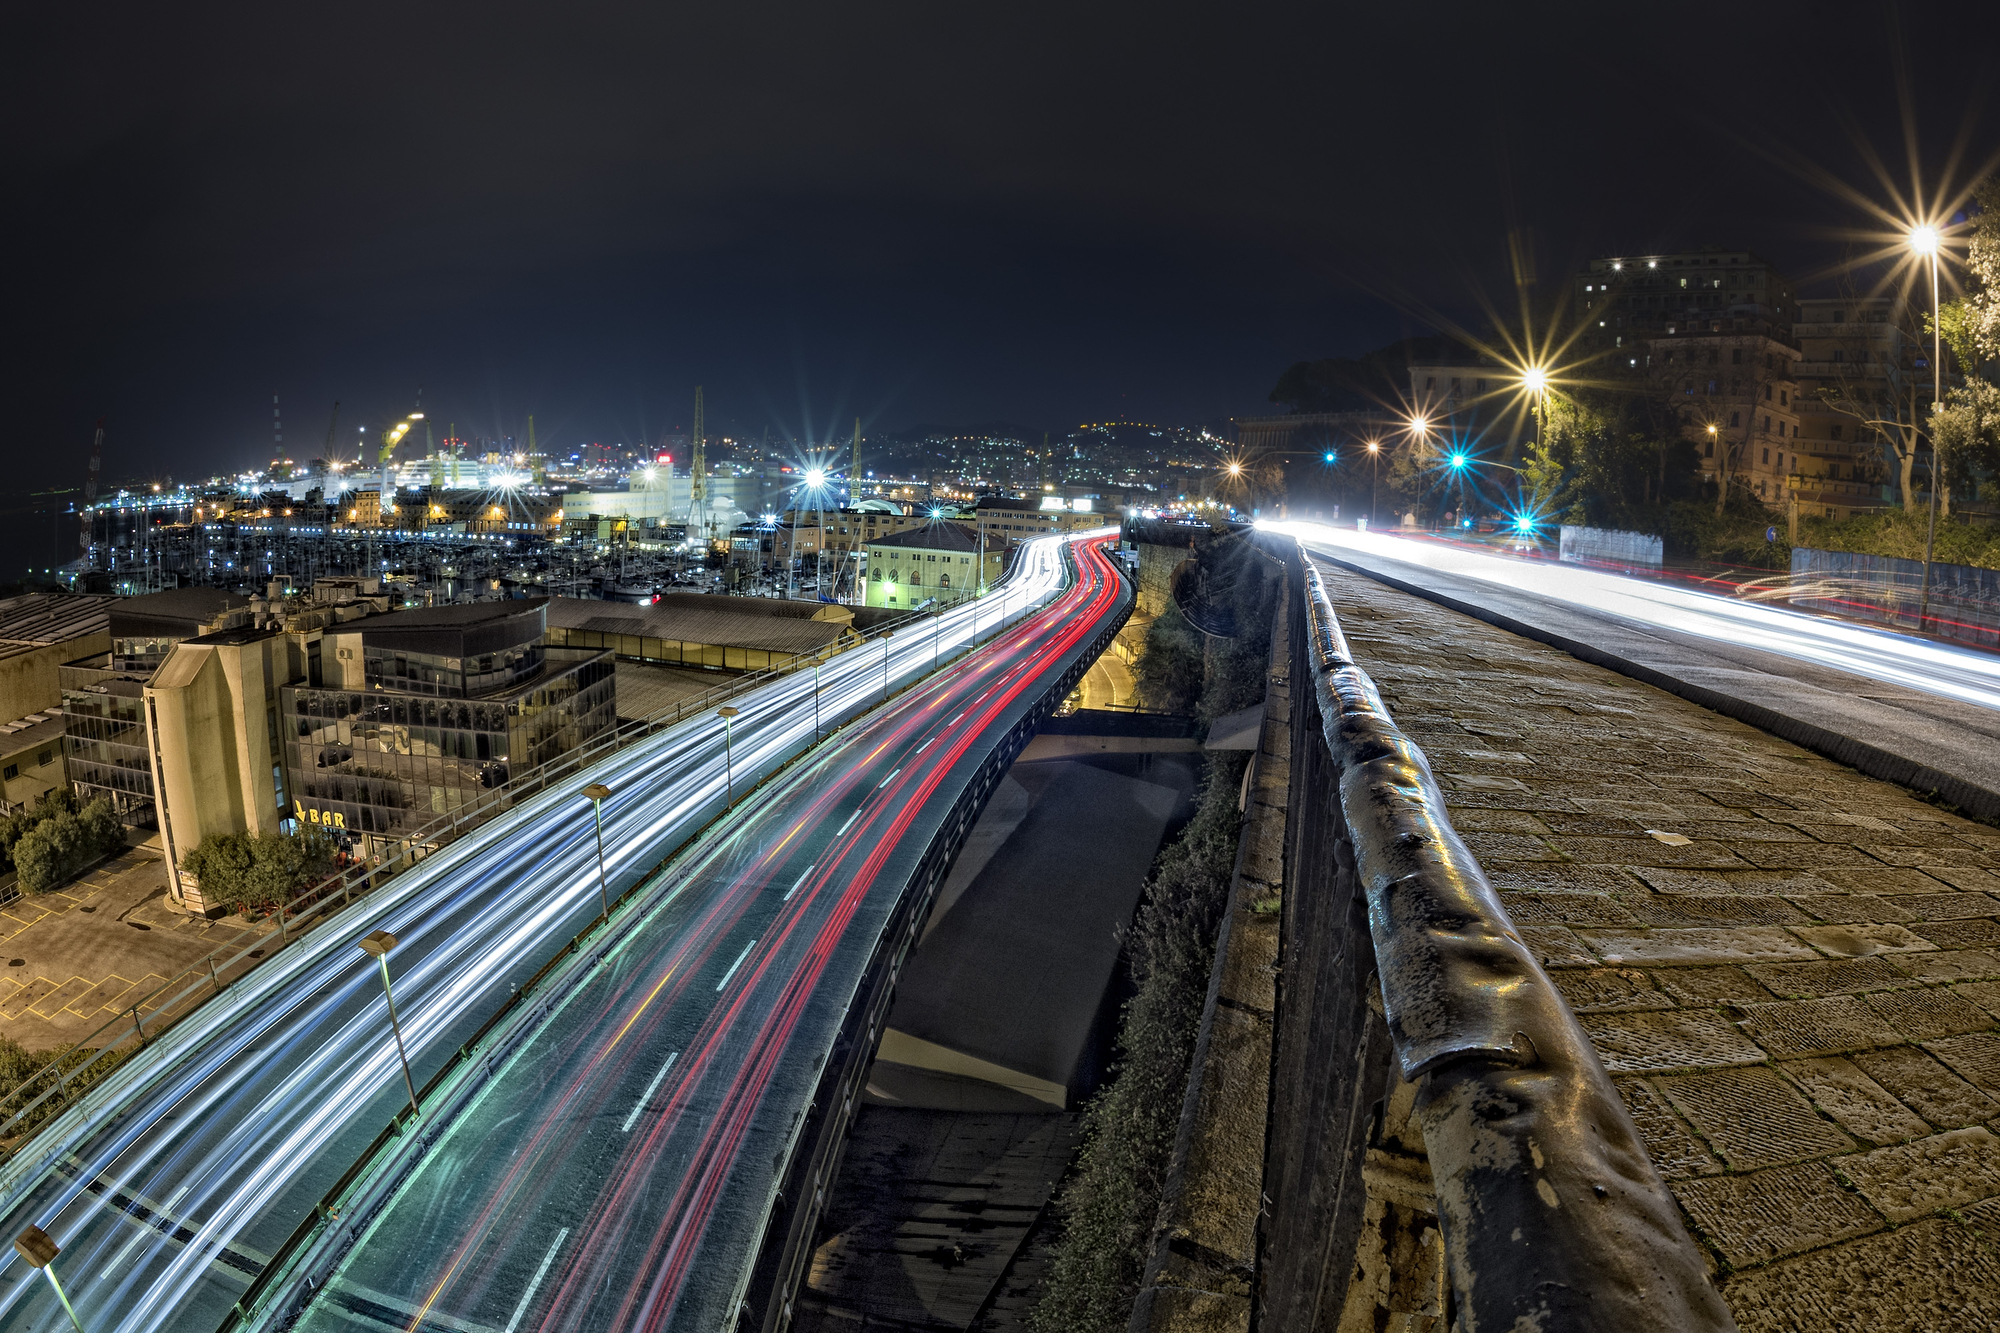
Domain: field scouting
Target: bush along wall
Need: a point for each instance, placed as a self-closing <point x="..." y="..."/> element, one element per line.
<point x="1106" y="1209"/>
<point x="51" y="842"/>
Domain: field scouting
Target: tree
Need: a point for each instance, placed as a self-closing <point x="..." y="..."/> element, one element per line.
<point x="63" y="843"/>
<point x="242" y="870"/>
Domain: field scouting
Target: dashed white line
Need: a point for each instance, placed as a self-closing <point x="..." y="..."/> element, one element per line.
<point x="651" y="1088"/>
<point x="801" y="884"/>
<point x="886" y="781"/>
<point x="738" y="963"/>
<point x="848" y="825"/>
<point x="535" y="1282"/>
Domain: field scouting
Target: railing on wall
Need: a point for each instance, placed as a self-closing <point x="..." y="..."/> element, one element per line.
<point x="35" y="1100"/>
<point x="1400" y="965"/>
<point x="1963" y="605"/>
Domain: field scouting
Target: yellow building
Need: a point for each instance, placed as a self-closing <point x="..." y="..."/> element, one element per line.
<point x="942" y="562"/>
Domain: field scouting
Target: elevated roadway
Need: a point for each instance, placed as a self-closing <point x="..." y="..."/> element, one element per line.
<point x="174" y="1184"/>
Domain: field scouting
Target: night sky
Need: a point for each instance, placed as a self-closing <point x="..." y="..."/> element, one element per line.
<point x="910" y="212"/>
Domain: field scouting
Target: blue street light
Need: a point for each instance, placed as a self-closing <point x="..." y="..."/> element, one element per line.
<point x="1458" y="460"/>
<point x="1329" y="455"/>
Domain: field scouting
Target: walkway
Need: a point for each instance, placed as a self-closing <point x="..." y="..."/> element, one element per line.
<point x="1791" y="970"/>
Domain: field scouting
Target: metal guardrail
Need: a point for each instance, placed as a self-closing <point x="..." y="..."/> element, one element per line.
<point x="81" y="1065"/>
<point x="1552" y="1214"/>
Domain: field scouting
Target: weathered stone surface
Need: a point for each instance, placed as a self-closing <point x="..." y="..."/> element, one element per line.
<point x="1858" y="941"/>
<point x="1817" y="1027"/>
<point x="1698" y="945"/>
<point x="1911" y="1179"/>
<point x="1927" y="1087"/>
<point x="1933" y="1275"/>
<point x="1675" y="1151"/>
<point x="1976" y="1057"/>
<point x="1677" y="1039"/>
<point x="1930" y="1011"/>
<point x="1605" y="989"/>
<point x="1950" y="965"/>
<point x="1755" y="1218"/>
<point x="1703" y="986"/>
<point x="1861" y="1106"/>
<point x="1753" y="1117"/>
<point x="1840" y="976"/>
<point x="1938" y="906"/>
<point x="1556" y="946"/>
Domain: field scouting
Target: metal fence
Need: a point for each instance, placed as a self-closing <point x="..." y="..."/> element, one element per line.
<point x="35" y="1100"/>
<point x="1964" y="602"/>
<point x="1399" y="965"/>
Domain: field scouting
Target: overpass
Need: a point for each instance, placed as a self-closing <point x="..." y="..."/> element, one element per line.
<point x="212" y="1180"/>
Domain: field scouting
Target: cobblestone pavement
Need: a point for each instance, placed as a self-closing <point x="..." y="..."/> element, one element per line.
<point x="1792" y="971"/>
<point x="72" y="959"/>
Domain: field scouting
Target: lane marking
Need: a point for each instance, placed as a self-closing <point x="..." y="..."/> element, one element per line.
<point x="146" y="1229"/>
<point x="848" y="825"/>
<point x="886" y="781"/>
<point x="801" y="883"/>
<point x="925" y="746"/>
<point x="534" y="1283"/>
<point x="738" y="963"/>
<point x="647" y="1096"/>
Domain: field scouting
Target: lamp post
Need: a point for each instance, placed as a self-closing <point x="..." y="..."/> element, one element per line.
<point x="1536" y="381"/>
<point x="1924" y="240"/>
<point x="1374" y="477"/>
<point x="377" y="945"/>
<point x="727" y="712"/>
<point x="40" y="1251"/>
<point x="597" y="793"/>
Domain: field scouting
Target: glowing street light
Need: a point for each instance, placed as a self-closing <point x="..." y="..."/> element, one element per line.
<point x="40" y="1251"/>
<point x="597" y="793"/>
<point x="377" y="945"/>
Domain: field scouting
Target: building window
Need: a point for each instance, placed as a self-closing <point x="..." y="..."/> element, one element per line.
<point x="1767" y="455"/>
<point x="44" y="757"/>
<point x="1735" y="418"/>
<point x="1736" y="356"/>
<point x="1767" y="425"/>
<point x="1833" y="432"/>
<point x="12" y="771"/>
<point x="1708" y="449"/>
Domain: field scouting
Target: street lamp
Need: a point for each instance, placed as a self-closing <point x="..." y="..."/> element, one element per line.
<point x="1535" y="380"/>
<point x="377" y="945"/>
<point x="726" y="712"/>
<point x="598" y="793"/>
<point x="1924" y="240"/>
<point x="40" y="1251"/>
<point x="1374" y="476"/>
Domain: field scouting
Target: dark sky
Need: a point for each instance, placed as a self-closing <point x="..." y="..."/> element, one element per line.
<point x="915" y="212"/>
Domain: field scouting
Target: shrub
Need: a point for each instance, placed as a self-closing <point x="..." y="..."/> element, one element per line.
<point x="242" y="870"/>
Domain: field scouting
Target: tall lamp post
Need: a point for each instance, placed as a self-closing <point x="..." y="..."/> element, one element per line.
<point x="377" y="945"/>
<point x="1374" y="478"/>
<point x="597" y="793"/>
<point x="1924" y="240"/>
<point x="726" y="713"/>
<point x="40" y="1251"/>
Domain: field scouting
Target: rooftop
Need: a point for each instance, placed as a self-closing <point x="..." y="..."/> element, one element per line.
<point x="693" y="618"/>
<point x="41" y="618"/>
<point x="933" y="537"/>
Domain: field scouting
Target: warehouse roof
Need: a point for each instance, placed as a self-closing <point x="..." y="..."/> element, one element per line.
<point x="936" y="537"/>
<point x="689" y="620"/>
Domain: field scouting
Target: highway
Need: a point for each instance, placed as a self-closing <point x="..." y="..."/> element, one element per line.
<point x="617" y="1172"/>
<point x="1966" y="675"/>
<point x="171" y="1185"/>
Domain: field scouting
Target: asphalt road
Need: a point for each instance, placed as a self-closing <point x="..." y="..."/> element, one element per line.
<point x="617" y="1172"/>
<point x="174" y="1182"/>
<point x="1895" y="706"/>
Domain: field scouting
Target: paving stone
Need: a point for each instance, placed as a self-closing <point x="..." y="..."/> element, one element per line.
<point x="1919" y="1082"/>
<point x="1745" y="944"/>
<point x="1926" y="857"/>
<point x="1753" y="1117"/>
<point x="1604" y="989"/>
<point x="1932" y="1275"/>
<point x="1556" y="946"/>
<point x="1838" y="976"/>
<point x="1701" y="882"/>
<point x="1945" y="906"/>
<point x="1978" y="933"/>
<point x="1818" y="1027"/>
<point x="1930" y="1011"/>
<point x="1949" y="965"/>
<point x="1733" y="910"/>
<point x="1675" y="1039"/>
<point x="1645" y="852"/>
<point x="1879" y="879"/>
<point x="1911" y="1179"/>
<point x="1709" y="985"/>
<point x="1675" y="1151"/>
<point x="1861" y="1106"/>
<point x="1571" y="909"/>
<point x="1985" y="994"/>
<point x="1498" y="821"/>
<point x="1544" y="877"/>
<point x="1976" y="1057"/>
<point x="1755" y="1218"/>
<point x="1789" y="883"/>
<point x="1971" y="878"/>
<point x="1802" y="855"/>
<point x="1509" y="847"/>
<point x="1855" y="941"/>
<point x="1848" y="908"/>
<point x="1741" y="830"/>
